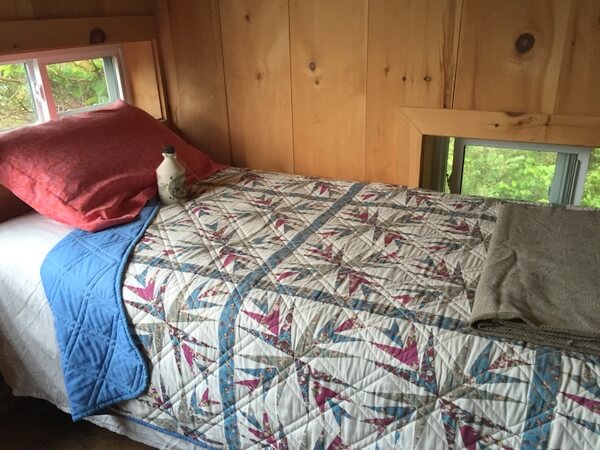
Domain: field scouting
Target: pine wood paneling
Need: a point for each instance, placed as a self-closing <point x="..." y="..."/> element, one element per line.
<point x="200" y="108"/>
<point x="166" y="58"/>
<point x="412" y="55"/>
<point x="411" y="140"/>
<point x="492" y="74"/>
<point x="143" y="80"/>
<point x="578" y="89"/>
<point x="526" y="127"/>
<point x="355" y="64"/>
<point x="328" y="42"/>
<point x="256" y="54"/>
<point x="16" y="10"/>
<point x="57" y="9"/>
<point x="57" y="33"/>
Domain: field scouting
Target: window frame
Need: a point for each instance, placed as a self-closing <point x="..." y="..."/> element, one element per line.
<point x="39" y="82"/>
<point x="559" y="193"/>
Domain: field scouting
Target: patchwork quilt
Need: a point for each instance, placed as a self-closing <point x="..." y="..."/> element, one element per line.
<point x="288" y="312"/>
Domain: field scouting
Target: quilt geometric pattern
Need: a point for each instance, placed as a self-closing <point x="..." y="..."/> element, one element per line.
<point x="291" y="312"/>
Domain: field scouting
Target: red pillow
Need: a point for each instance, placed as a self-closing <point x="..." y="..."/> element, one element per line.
<point x="92" y="170"/>
<point x="11" y="206"/>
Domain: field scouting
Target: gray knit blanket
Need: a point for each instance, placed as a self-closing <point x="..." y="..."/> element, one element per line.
<point x="541" y="279"/>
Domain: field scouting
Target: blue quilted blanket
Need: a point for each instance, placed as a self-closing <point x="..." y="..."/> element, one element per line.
<point x="82" y="277"/>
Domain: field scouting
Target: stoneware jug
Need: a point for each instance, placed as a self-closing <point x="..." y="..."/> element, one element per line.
<point x="170" y="175"/>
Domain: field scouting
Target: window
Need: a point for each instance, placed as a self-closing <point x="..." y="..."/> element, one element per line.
<point x="519" y="171"/>
<point x="543" y="173"/>
<point x="83" y="84"/>
<point x="44" y="86"/>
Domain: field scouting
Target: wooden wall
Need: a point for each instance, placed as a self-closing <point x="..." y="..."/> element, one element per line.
<point x="61" y="9"/>
<point x="317" y="87"/>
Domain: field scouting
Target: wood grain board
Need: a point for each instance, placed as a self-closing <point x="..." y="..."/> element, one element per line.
<point x="257" y="73"/>
<point x="523" y="127"/>
<point x="412" y="57"/>
<point x="493" y="74"/>
<point x="60" y="9"/>
<point x="198" y="98"/>
<point x="329" y="68"/>
<point x="27" y="35"/>
<point x="143" y="78"/>
<point x="578" y="90"/>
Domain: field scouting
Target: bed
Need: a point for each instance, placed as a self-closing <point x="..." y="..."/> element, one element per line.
<point x="289" y="312"/>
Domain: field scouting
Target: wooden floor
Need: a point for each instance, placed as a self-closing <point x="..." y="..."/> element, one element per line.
<point x="30" y="424"/>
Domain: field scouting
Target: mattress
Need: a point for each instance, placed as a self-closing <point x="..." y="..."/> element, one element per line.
<point x="288" y="312"/>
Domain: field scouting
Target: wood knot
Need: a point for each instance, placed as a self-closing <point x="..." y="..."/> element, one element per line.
<point x="524" y="43"/>
<point x="427" y="78"/>
<point x="97" y="36"/>
<point x="496" y="125"/>
<point x="404" y="78"/>
<point x="312" y="66"/>
<point x="386" y="71"/>
<point x="525" y="121"/>
<point x="317" y="82"/>
<point x="247" y="17"/>
<point x="259" y="76"/>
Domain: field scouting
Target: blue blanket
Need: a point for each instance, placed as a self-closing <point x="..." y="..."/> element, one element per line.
<point x="82" y="278"/>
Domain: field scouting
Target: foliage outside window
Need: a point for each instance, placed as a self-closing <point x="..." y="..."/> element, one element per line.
<point x="591" y="190"/>
<point x="510" y="174"/>
<point x="16" y="99"/>
<point x="78" y="84"/>
<point x="518" y="174"/>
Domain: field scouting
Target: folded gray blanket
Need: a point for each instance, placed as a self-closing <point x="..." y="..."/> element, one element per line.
<point x="541" y="279"/>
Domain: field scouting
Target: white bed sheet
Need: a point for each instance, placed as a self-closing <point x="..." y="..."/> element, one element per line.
<point x="30" y="359"/>
<point x="29" y="355"/>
